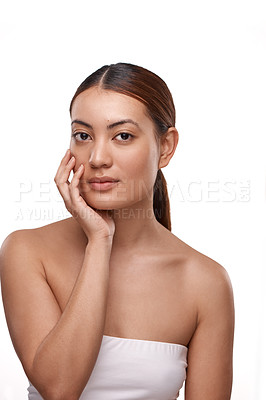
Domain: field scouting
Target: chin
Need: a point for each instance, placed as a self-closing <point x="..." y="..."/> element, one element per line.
<point x="104" y="204"/>
<point x="111" y="204"/>
<point x="101" y="207"/>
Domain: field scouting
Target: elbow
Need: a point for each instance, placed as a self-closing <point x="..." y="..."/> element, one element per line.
<point x="63" y="397"/>
<point x="55" y="392"/>
<point x="54" y="389"/>
<point x="60" y="395"/>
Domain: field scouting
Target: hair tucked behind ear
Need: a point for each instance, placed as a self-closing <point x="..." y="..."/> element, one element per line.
<point x="152" y="91"/>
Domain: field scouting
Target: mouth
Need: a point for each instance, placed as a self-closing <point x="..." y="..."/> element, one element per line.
<point x="104" y="185"/>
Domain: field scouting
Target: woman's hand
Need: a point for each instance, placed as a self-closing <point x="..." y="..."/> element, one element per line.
<point x="96" y="224"/>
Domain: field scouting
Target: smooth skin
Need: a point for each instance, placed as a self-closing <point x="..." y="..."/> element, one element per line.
<point x="118" y="273"/>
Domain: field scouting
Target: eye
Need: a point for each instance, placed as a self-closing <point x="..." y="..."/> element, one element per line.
<point x="124" y="136"/>
<point x="80" y="136"/>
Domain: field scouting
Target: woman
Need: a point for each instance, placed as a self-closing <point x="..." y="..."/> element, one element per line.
<point x="109" y="304"/>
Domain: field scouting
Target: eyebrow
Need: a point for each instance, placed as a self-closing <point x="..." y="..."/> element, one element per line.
<point x="111" y="126"/>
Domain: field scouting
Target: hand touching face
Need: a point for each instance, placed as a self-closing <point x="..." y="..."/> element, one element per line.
<point x="95" y="224"/>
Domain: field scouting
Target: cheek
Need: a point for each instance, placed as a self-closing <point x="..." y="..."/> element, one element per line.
<point x="143" y="159"/>
<point x="79" y="157"/>
<point x="133" y="165"/>
<point x="140" y="172"/>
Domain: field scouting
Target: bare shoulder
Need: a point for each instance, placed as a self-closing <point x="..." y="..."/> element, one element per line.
<point x="211" y="282"/>
<point x="207" y="279"/>
<point x="206" y="273"/>
<point x="31" y="233"/>
<point x="36" y="241"/>
<point x="20" y="245"/>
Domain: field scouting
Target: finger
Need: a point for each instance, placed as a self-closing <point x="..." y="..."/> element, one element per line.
<point x="64" y="160"/>
<point x="61" y="178"/>
<point x="61" y="167"/>
<point x="64" y="173"/>
<point x="73" y="187"/>
<point x="64" y="170"/>
<point x="80" y="208"/>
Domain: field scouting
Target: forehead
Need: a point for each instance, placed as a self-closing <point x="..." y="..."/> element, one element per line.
<point x="107" y="104"/>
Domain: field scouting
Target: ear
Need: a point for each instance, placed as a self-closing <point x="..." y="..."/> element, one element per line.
<point x="168" y="143"/>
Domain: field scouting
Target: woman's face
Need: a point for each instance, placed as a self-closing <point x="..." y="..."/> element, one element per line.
<point x="113" y="137"/>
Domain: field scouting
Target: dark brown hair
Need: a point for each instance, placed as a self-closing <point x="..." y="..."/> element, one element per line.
<point x="150" y="89"/>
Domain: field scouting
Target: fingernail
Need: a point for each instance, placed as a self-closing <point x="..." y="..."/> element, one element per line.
<point x="67" y="152"/>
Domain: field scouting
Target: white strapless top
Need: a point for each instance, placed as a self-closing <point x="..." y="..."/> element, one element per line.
<point x="133" y="369"/>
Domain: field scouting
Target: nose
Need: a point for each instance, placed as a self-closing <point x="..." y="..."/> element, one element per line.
<point x="100" y="155"/>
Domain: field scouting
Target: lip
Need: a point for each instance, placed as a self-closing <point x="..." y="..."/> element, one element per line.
<point x="102" y="185"/>
<point x="102" y="179"/>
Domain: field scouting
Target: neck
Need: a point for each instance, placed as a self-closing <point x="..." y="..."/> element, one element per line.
<point x="135" y="226"/>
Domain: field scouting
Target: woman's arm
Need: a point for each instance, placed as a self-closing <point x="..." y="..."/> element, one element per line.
<point x="209" y="372"/>
<point x="58" y="350"/>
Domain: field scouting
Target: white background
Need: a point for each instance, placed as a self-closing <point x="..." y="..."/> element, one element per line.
<point x="212" y="56"/>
